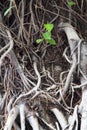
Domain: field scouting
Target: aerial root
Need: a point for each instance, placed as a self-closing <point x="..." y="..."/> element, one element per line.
<point x="33" y="121"/>
<point x="60" y="118"/>
<point x="21" y="110"/>
<point x="46" y="123"/>
<point x="11" y="118"/>
<point x="73" y="120"/>
<point x="35" y="89"/>
<point x="22" y="116"/>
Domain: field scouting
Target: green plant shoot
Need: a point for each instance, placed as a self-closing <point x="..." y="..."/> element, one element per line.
<point x="39" y="40"/>
<point x="47" y="35"/>
<point x="71" y="3"/>
<point x="48" y="27"/>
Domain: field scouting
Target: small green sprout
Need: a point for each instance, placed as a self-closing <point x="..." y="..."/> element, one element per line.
<point x="71" y="3"/>
<point x="47" y="35"/>
<point x="49" y="27"/>
<point x="39" y="40"/>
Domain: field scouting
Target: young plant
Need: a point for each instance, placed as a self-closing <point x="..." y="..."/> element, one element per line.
<point x="47" y="36"/>
<point x="71" y="3"/>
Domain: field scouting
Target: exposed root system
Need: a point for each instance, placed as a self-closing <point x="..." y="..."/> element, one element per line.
<point x="43" y="87"/>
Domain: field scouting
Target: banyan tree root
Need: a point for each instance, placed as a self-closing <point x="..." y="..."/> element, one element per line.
<point x="11" y="118"/>
<point x="73" y="121"/>
<point x="33" y="119"/>
<point x="78" y="50"/>
<point x="60" y="117"/>
<point x="5" y="33"/>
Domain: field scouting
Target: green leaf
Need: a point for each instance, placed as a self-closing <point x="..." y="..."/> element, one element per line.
<point x="71" y="3"/>
<point x="46" y="35"/>
<point x="39" y="40"/>
<point x="48" y="27"/>
<point x="51" y="41"/>
<point x="8" y="10"/>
